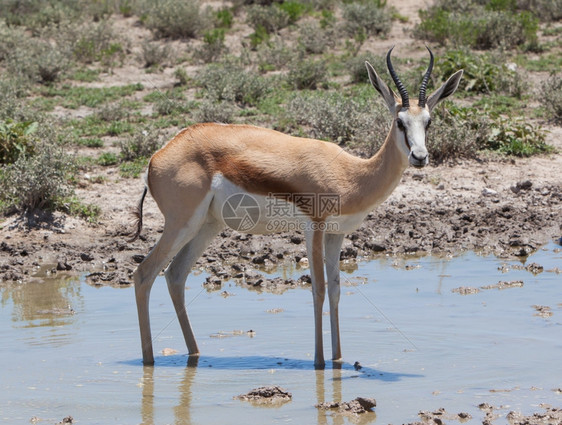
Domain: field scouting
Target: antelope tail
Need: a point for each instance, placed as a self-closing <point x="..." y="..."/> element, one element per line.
<point x="137" y="213"/>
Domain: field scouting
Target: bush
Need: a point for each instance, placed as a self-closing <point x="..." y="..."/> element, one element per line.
<point x="306" y="74"/>
<point x="210" y="111"/>
<point x="36" y="181"/>
<point x="340" y="119"/>
<point x="178" y="18"/>
<point x="551" y="97"/>
<point x="517" y="137"/>
<point x="274" y="54"/>
<point x="233" y="83"/>
<point x="107" y="159"/>
<point x="456" y="133"/>
<point x="269" y="18"/>
<point x="94" y="41"/>
<point x="546" y="10"/>
<point x="142" y="144"/>
<point x="357" y="69"/>
<point x="476" y="26"/>
<point x="315" y="39"/>
<point x="155" y="55"/>
<point x="38" y="60"/>
<point x="16" y="139"/>
<point x="294" y="9"/>
<point x="366" y="18"/>
<point x="213" y="46"/>
<point x="482" y="73"/>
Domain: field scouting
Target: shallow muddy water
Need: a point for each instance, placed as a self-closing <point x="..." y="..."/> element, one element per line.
<point x="72" y="349"/>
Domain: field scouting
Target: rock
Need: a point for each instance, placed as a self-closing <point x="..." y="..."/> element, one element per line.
<point x="63" y="266"/>
<point x="373" y="246"/>
<point x="489" y="192"/>
<point x="466" y="290"/>
<point x="271" y="394"/>
<point x="86" y="257"/>
<point x="296" y="239"/>
<point x="358" y="406"/>
<point x="519" y="186"/>
<point x="138" y="258"/>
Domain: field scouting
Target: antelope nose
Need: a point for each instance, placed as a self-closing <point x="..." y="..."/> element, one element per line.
<point x="419" y="155"/>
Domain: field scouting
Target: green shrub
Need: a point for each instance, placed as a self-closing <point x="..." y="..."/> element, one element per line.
<point x="477" y="27"/>
<point x="306" y="74"/>
<point x="178" y="18"/>
<point x="155" y="55"/>
<point x="546" y="10"/>
<point x="366" y="18"/>
<point x="517" y="137"/>
<point x="36" y="181"/>
<point x="38" y="60"/>
<point x="133" y="169"/>
<point x="331" y="116"/>
<point x="274" y="54"/>
<point x="315" y="39"/>
<point x="213" y="46"/>
<point x="550" y="96"/>
<point x="268" y="18"/>
<point x="93" y="41"/>
<point x="107" y="158"/>
<point x="170" y="105"/>
<point x="16" y="139"/>
<point x="357" y="69"/>
<point x="294" y="9"/>
<point x="482" y="73"/>
<point x="224" y="18"/>
<point x="456" y="133"/>
<point x="35" y="14"/>
<point x="233" y="83"/>
<point x="182" y="77"/>
<point x="209" y="111"/>
<point x="141" y="144"/>
<point x="73" y="206"/>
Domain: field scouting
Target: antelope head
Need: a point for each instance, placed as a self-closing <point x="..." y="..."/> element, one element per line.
<point x="412" y="118"/>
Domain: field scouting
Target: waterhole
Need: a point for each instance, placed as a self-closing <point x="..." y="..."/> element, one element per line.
<point x="425" y="333"/>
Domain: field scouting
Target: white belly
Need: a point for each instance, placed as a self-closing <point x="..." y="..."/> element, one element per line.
<point x="258" y="214"/>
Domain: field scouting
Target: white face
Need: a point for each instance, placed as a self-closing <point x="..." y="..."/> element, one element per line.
<point x="411" y="128"/>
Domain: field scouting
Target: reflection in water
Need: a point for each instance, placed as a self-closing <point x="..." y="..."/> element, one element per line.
<point x="48" y="304"/>
<point x="182" y="411"/>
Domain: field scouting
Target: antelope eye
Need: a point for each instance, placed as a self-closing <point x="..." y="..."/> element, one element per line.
<point x="400" y="124"/>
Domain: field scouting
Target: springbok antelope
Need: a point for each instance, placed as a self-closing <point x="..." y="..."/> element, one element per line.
<point x="208" y="170"/>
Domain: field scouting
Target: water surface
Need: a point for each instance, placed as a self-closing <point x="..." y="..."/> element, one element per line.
<point x="72" y="349"/>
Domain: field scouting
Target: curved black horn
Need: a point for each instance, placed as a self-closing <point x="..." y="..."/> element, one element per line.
<point x="425" y="79"/>
<point x="399" y="85"/>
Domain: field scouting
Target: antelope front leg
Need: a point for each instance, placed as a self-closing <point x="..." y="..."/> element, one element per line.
<point x="332" y="244"/>
<point x="315" y="252"/>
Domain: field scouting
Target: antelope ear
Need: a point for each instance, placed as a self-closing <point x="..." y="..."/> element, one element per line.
<point x="386" y="92"/>
<point x="446" y="90"/>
